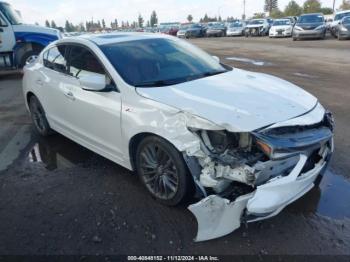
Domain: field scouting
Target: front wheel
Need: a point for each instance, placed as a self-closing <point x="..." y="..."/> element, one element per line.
<point x="162" y="170"/>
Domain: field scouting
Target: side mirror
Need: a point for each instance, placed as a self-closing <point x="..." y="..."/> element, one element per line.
<point x="216" y="58"/>
<point x="93" y="82"/>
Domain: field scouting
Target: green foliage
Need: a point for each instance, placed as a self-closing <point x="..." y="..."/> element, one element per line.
<point x="190" y="18"/>
<point x="53" y="24"/>
<point x="154" y="19"/>
<point x="47" y="23"/>
<point x="140" y="21"/>
<point x="327" y="10"/>
<point x="270" y="5"/>
<point x="293" y="9"/>
<point x="276" y="13"/>
<point x="259" y="15"/>
<point x="312" y="6"/>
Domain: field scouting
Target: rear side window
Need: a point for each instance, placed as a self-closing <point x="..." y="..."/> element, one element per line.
<point x="55" y="58"/>
<point x="83" y="62"/>
<point x="2" y="22"/>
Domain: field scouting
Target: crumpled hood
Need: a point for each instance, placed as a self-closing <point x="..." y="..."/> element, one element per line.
<point x="239" y="101"/>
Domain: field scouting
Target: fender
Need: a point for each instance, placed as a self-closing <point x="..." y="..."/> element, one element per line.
<point x="36" y="38"/>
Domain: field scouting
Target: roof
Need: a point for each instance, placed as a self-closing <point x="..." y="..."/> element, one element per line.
<point x="312" y="14"/>
<point x="111" y="38"/>
<point x="342" y="12"/>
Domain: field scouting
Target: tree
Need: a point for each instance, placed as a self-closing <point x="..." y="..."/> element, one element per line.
<point x="154" y="18"/>
<point x="259" y="15"/>
<point x="53" y="24"/>
<point x="140" y="21"/>
<point x="293" y="9"/>
<point x="312" y="6"/>
<point x="270" y="5"/>
<point x="345" y="5"/>
<point x="327" y="10"/>
<point x="47" y="23"/>
<point x="68" y="27"/>
<point x="190" y="18"/>
<point x="116" y="23"/>
<point x="148" y="23"/>
<point x="103" y="24"/>
<point x="276" y="13"/>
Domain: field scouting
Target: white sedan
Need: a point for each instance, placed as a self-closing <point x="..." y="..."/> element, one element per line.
<point x="246" y="144"/>
<point x="281" y="28"/>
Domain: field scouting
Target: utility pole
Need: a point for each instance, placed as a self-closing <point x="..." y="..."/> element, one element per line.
<point x="333" y="6"/>
<point x="243" y="16"/>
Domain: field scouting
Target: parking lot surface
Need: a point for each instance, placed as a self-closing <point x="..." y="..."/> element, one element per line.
<point x="58" y="198"/>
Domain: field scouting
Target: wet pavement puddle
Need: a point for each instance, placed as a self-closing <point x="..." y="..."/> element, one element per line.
<point x="330" y="198"/>
<point x="249" y="61"/>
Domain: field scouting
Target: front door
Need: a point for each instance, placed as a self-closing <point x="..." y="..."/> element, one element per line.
<point x="7" y="37"/>
<point x="94" y="117"/>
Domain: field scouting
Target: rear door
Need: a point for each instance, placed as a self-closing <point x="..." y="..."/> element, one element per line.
<point x="7" y="37"/>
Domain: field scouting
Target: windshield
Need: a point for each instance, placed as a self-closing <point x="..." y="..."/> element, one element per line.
<point x="256" y="22"/>
<point x="236" y="25"/>
<point x="346" y="20"/>
<point x="160" y="62"/>
<point x="281" y="22"/>
<point x="184" y="27"/>
<point x="311" y="19"/>
<point x="12" y="16"/>
<point x="341" y="16"/>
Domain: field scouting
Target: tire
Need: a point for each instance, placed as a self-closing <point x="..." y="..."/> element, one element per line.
<point x="39" y="119"/>
<point x="26" y="55"/>
<point x="163" y="171"/>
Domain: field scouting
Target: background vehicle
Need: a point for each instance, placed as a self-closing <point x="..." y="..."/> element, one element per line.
<point x="281" y="28"/>
<point x="257" y="27"/>
<point x="19" y="41"/>
<point x="216" y="29"/>
<point x="169" y="30"/>
<point x="293" y="19"/>
<point x="337" y="19"/>
<point x="343" y="30"/>
<point x="236" y="28"/>
<point x="310" y="26"/>
<point x="191" y="30"/>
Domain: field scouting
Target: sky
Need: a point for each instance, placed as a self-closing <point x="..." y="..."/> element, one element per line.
<point x="77" y="11"/>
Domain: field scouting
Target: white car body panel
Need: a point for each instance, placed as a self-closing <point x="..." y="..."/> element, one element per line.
<point x="237" y="101"/>
<point x="286" y="30"/>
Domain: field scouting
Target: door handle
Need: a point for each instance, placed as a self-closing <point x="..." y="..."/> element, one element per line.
<point x="69" y="95"/>
<point x="40" y="82"/>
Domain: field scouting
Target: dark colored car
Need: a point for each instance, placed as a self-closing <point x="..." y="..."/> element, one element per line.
<point x="191" y="30"/>
<point x="169" y="30"/>
<point x="343" y="31"/>
<point x="310" y="26"/>
<point x="216" y="29"/>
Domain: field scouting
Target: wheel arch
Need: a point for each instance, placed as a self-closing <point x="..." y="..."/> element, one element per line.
<point x="22" y="48"/>
<point x="136" y="140"/>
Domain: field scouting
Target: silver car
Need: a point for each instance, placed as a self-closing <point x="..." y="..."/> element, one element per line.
<point x="236" y="28"/>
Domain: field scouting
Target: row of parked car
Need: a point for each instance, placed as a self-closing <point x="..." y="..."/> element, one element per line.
<point x="304" y="27"/>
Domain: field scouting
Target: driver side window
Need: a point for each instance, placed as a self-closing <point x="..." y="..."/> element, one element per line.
<point x="83" y="62"/>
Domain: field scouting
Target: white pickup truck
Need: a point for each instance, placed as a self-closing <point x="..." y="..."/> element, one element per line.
<point x="18" y="41"/>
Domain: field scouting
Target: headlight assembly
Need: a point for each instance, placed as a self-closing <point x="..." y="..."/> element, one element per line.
<point x="321" y="27"/>
<point x="297" y="28"/>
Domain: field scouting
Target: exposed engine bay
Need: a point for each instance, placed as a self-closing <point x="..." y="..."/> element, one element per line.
<point x="245" y="177"/>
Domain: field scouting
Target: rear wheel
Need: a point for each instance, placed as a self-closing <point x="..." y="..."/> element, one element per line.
<point x="162" y="170"/>
<point x="39" y="117"/>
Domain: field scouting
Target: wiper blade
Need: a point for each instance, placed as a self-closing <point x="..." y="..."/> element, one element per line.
<point x="214" y="73"/>
<point x="153" y="84"/>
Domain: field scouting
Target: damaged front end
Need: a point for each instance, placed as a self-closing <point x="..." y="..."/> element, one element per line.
<point x="250" y="176"/>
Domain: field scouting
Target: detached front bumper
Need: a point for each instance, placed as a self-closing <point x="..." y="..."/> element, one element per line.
<point x="217" y="216"/>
